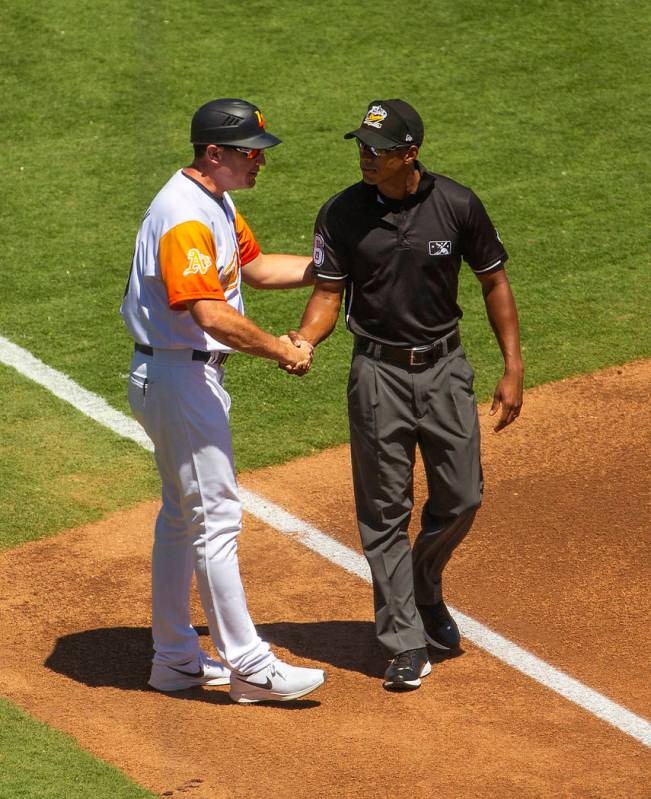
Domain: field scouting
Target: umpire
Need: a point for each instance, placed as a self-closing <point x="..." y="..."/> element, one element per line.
<point x="394" y="242"/>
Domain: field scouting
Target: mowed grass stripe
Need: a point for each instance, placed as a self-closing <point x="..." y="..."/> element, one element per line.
<point x="540" y="107"/>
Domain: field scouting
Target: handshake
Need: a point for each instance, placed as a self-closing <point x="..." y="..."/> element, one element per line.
<point x="299" y="353"/>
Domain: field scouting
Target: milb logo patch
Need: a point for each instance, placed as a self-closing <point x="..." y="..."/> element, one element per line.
<point x="439" y="247"/>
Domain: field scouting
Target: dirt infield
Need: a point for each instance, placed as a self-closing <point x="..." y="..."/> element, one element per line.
<point x="557" y="562"/>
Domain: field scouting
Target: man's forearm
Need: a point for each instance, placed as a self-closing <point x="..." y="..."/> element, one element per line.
<point x="503" y="317"/>
<point x="229" y="327"/>
<point x="277" y="271"/>
<point x="320" y="318"/>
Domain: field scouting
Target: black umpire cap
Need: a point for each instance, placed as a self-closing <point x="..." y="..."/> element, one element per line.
<point x="389" y="123"/>
<point x="233" y="122"/>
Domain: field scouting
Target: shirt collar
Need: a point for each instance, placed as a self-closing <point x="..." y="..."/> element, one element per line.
<point x="425" y="186"/>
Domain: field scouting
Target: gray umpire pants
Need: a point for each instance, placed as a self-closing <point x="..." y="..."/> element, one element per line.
<point x="392" y="409"/>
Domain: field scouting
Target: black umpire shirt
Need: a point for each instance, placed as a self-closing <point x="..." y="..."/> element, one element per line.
<point x="401" y="258"/>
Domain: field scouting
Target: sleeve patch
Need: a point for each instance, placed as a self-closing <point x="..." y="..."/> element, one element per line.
<point x="318" y="252"/>
<point x="187" y="260"/>
<point x="197" y="262"/>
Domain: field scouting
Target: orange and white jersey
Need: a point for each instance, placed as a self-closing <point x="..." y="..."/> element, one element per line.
<point x="190" y="246"/>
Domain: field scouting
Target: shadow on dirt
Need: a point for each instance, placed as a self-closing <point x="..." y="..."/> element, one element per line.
<point x="120" y="657"/>
<point x="349" y="645"/>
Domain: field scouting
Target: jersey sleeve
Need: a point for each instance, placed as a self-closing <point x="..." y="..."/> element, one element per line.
<point x="188" y="264"/>
<point x="482" y="247"/>
<point x="329" y="263"/>
<point x="249" y="247"/>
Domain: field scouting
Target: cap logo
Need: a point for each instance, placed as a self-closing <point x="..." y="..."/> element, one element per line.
<point x="375" y="116"/>
<point x="409" y="137"/>
<point x="260" y="119"/>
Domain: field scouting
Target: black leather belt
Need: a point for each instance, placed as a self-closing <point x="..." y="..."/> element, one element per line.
<point x="213" y="358"/>
<point x="416" y="356"/>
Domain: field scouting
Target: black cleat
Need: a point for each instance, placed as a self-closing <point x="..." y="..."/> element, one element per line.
<point x="406" y="669"/>
<point x="441" y="629"/>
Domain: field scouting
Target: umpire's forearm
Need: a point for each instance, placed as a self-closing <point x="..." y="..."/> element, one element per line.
<point x="503" y="317"/>
<point x="320" y="317"/>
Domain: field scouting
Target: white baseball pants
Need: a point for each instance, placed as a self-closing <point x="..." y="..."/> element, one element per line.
<point x="183" y="407"/>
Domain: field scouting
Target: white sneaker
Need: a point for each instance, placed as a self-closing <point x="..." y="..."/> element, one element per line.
<point x="277" y="682"/>
<point x="189" y="675"/>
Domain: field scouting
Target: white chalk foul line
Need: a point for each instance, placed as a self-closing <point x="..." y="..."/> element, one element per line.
<point x="349" y="560"/>
<point x="66" y="389"/>
<point x="480" y="635"/>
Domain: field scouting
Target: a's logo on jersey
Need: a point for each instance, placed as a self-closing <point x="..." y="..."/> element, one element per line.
<point x="197" y="263"/>
<point x="318" y="253"/>
<point x="375" y="116"/>
<point x="439" y="247"/>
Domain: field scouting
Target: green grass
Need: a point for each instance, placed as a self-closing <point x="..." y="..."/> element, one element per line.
<point x="60" y="469"/>
<point x="541" y="107"/>
<point x="37" y="762"/>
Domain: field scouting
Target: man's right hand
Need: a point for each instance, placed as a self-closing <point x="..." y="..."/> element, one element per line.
<point x="299" y="354"/>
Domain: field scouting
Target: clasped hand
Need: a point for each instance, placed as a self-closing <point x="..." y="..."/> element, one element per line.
<point x="301" y="356"/>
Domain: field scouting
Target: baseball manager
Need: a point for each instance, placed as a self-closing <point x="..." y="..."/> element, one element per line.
<point x="183" y="307"/>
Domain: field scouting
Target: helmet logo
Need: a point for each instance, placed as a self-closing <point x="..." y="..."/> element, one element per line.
<point x="260" y="119"/>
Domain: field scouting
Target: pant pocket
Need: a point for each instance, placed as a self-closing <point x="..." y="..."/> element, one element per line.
<point x="137" y="394"/>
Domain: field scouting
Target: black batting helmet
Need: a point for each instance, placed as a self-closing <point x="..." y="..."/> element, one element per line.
<point x="233" y="122"/>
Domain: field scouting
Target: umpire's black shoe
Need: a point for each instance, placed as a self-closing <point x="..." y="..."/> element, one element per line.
<point x="441" y="629"/>
<point x="406" y="669"/>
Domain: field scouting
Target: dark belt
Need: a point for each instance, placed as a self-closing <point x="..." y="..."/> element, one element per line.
<point x="416" y="356"/>
<point x="213" y="358"/>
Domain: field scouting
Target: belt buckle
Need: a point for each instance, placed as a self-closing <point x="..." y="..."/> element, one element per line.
<point x="426" y="356"/>
<point x="414" y="360"/>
